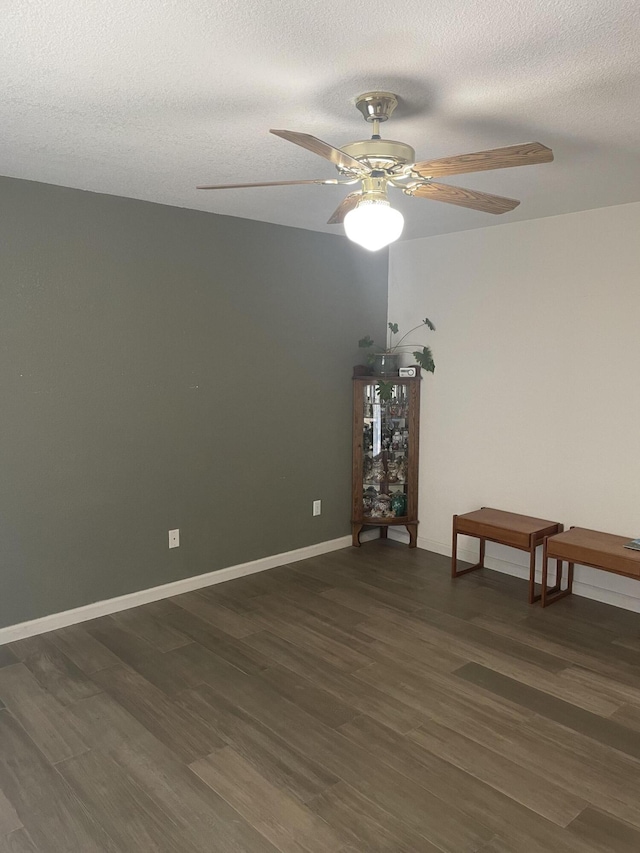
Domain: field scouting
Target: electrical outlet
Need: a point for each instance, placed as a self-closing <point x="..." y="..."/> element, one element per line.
<point x="174" y="539"/>
<point x="317" y="507"/>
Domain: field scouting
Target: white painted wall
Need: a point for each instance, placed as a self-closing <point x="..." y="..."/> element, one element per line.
<point x="535" y="403"/>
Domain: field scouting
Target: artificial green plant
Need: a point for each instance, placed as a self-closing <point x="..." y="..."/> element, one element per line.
<point x="423" y="357"/>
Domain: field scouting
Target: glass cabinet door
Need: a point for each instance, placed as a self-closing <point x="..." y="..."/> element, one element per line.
<point x="386" y="432"/>
<point x="385" y="451"/>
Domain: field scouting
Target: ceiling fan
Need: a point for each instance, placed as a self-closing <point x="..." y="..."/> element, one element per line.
<point x="378" y="163"/>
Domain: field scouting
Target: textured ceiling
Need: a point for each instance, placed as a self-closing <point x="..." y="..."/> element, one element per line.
<point x="147" y="98"/>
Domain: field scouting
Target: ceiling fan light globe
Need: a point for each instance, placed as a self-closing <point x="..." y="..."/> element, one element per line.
<point x="373" y="224"/>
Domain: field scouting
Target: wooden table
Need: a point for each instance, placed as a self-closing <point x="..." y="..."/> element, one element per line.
<point x="588" y="548"/>
<point x="523" y="532"/>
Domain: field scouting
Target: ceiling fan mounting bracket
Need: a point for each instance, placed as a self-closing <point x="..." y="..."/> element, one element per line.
<point x="376" y="106"/>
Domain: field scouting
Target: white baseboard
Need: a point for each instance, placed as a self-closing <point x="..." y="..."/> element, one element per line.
<point x="144" y="596"/>
<point x="580" y="587"/>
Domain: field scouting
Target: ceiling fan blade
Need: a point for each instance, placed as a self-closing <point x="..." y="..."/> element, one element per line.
<point x="347" y="204"/>
<point x="485" y="202"/>
<point x="269" y="184"/>
<point x="323" y="149"/>
<point x="527" y="154"/>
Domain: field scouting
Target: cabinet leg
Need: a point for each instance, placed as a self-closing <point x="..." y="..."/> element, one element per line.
<point x="355" y="534"/>
<point x="412" y="530"/>
<point x="384" y="532"/>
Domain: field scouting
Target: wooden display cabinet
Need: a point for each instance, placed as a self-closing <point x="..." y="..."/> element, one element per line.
<point x="385" y="455"/>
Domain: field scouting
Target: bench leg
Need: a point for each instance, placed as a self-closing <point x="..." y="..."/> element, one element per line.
<point x="455" y="571"/>
<point x="545" y="562"/>
<point x="533" y="596"/>
<point x="532" y="577"/>
<point x="549" y="596"/>
<point x="454" y="549"/>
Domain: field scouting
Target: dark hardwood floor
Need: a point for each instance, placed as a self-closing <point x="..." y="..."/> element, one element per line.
<point x="358" y="702"/>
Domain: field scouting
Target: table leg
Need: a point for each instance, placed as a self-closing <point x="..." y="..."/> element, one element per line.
<point x="454" y="549"/>
<point x="455" y="571"/>
<point x="548" y="591"/>
<point x="532" y="576"/>
<point x="549" y="596"/>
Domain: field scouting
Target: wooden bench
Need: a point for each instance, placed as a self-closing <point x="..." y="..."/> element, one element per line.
<point x="602" y="551"/>
<point x="523" y="532"/>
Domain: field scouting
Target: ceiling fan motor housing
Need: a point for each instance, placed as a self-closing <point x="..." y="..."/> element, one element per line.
<point x="383" y="154"/>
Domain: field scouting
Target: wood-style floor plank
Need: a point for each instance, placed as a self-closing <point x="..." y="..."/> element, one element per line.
<point x="605" y="832"/>
<point x="322" y="704"/>
<point x="440" y="822"/>
<point x="49" y="810"/>
<point x="205" y="820"/>
<point x="575" y="645"/>
<point x="216" y="614"/>
<point x="84" y="650"/>
<point x="271" y="755"/>
<point x="143" y="622"/>
<point x="9" y="820"/>
<point x="310" y="604"/>
<point x="39" y="712"/>
<point x="600" y="686"/>
<point x="537" y="794"/>
<point x="187" y="736"/>
<point x="364" y="698"/>
<point x="291" y="622"/>
<point x="7" y="657"/>
<point x="56" y="672"/>
<point x="502" y="814"/>
<point x="205" y="634"/>
<point x="288" y="824"/>
<point x="608" y="732"/>
<point x="342" y="650"/>
<point x="122" y="808"/>
<point x="370" y="828"/>
<point x="471" y="642"/>
<point x="360" y="701"/>
<point x="157" y="667"/>
<point x="17" y="842"/>
<point x="586" y="767"/>
<point x="628" y="716"/>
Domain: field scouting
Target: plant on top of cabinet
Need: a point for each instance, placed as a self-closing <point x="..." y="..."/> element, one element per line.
<point x="385" y="359"/>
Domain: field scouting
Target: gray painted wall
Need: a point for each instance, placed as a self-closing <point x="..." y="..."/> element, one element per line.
<point x="167" y="368"/>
